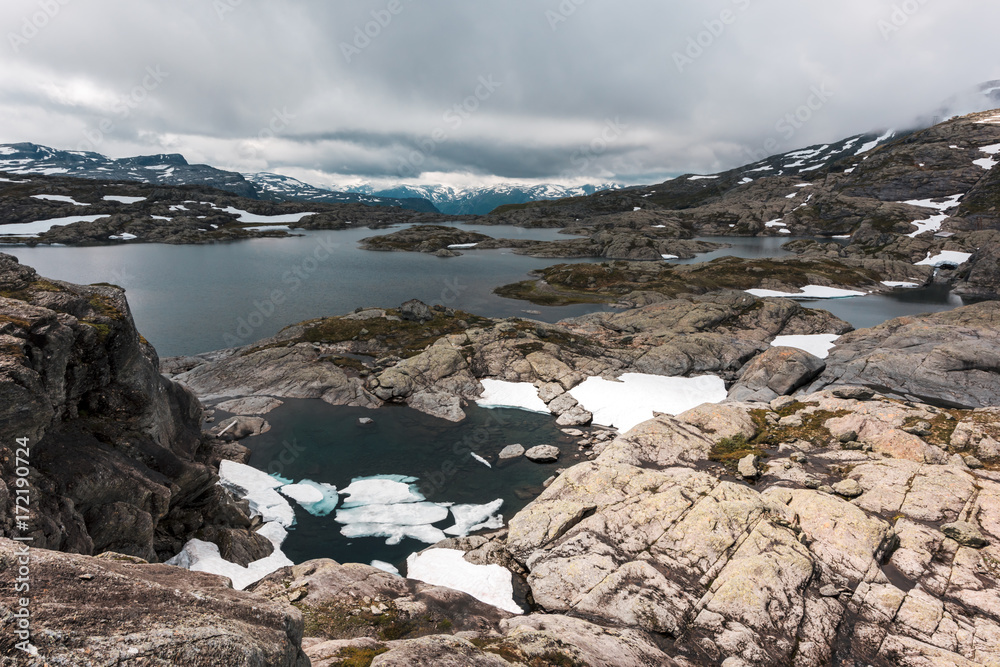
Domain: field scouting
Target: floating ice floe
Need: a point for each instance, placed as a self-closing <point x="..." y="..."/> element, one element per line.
<point x="124" y="200"/>
<point x="201" y="556"/>
<point x="326" y="494"/>
<point x="302" y="493"/>
<point x="491" y="584"/>
<point x="635" y="396"/>
<point x="501" y="394"/>
<point x="817" y="344"/>
<point x="59" y="198"/>
<point x="462" y="246"/>
<point x="470" y="518"/>
<point x="808" y="292"/>
<point x="389" y="506"/>
<point x="252" y="217"/>
<point x="394" y="533"/>
<point x="385" y="567"/>
<point x="945" y="258"/>
<point x="42" y="226"/>
<point x="381" y="490"/>
<point x="481" y="460"/>
<point x="402" y="514"/>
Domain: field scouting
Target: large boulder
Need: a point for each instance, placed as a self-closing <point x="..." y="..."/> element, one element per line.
<point x="777" y="372"/>
<point x="331" y="595"/>
<point x="117" y="610"/>
<point x="980" y="277"/>
<point x="950" y="358"/>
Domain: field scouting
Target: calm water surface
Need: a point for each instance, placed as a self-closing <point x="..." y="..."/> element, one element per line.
<point x="330" y="446"/>
<point x="189" y="299"/>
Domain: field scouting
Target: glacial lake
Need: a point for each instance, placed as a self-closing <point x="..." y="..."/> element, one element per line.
<point x="192" y="299"/>
<point x="188" y="299"/>
<point x="312" y="440"/>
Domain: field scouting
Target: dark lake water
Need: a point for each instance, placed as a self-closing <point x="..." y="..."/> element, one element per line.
<point x="192" y="299"/>
<point x="188" y="299"/>
<point x="312" y="440"/>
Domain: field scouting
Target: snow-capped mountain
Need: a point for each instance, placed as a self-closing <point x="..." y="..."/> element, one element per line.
<point x="173" y="169"/>
<point x="481" y="200"/>
<point x="276" y="186"/>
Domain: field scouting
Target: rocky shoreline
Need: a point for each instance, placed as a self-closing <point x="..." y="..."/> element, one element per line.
<point x="759" y="483"/>
<point x="87" y="213"/>
<point x="864" y="521"/>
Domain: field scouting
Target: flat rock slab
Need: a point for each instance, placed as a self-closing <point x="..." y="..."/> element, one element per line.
<point x="511" y="452"/>
<point x="251" y="405"/>
<point x="543" y="454"/>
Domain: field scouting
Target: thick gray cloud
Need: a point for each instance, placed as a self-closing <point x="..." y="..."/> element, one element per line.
<point x="564" y="90"/>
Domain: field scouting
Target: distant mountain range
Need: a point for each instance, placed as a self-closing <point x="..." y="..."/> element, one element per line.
<point x="173" y="169"/>
<point x="482" y="200"/>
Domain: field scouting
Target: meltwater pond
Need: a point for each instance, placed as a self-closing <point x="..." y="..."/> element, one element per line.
<point x="311" y="440"/>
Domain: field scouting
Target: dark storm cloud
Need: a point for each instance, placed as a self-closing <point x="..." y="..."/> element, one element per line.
<point x="520" y="89"/>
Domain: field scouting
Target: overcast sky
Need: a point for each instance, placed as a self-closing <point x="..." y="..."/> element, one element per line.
<point x="473" y="92"/>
